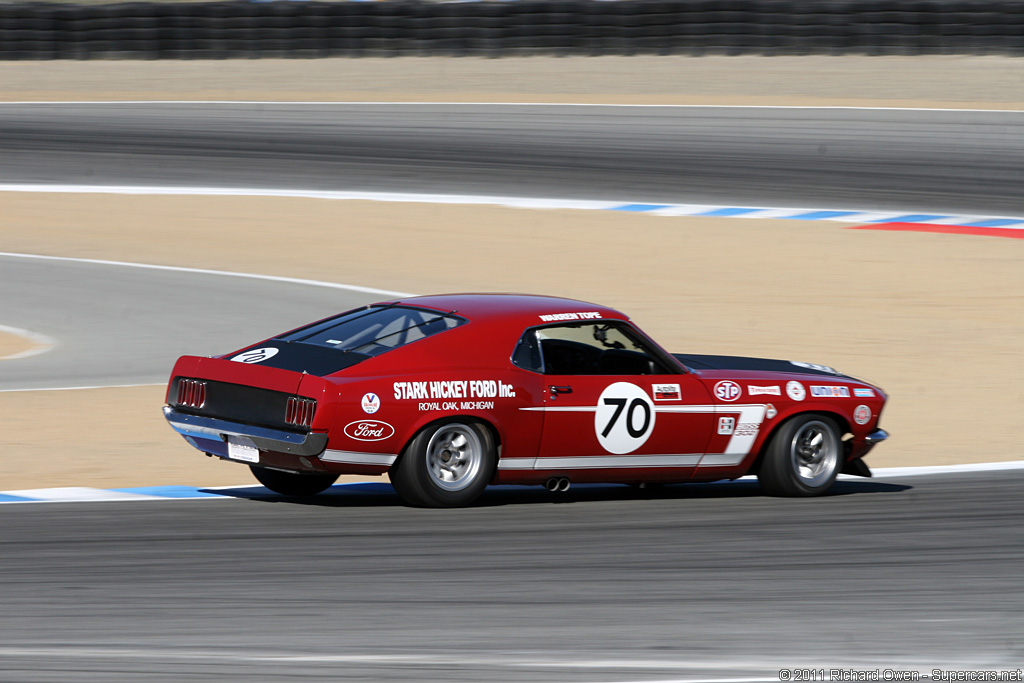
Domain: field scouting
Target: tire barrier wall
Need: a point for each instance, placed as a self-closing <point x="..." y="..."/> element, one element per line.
<point x="495" y="29"/>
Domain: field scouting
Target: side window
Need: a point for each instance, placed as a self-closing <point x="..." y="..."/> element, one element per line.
<point x="527" y="353"/>
<point x="585" y="349"/>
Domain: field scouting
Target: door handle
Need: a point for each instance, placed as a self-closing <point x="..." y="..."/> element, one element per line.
<point x="560" y="390"/>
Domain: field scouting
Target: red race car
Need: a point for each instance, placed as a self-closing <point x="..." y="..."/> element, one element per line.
<point x="448" y="394"/>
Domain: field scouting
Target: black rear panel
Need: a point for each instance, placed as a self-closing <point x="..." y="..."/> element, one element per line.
<point x="238" y="403"/>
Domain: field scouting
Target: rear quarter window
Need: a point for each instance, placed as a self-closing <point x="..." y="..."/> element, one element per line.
<point x="375" y="330"/>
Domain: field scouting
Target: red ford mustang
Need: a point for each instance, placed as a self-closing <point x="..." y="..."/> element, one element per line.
<point x="448" y="394"/>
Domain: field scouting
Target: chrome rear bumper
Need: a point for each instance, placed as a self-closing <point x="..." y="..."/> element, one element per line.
<point x="264" y="438"/>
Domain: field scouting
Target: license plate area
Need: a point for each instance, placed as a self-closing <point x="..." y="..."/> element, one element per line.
<point x="242" y="449"/>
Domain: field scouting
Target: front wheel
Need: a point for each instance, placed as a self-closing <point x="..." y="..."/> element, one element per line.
<point x="803" y="458"/>
<point x="293" y="483"/>
<point x="446" y="465"/>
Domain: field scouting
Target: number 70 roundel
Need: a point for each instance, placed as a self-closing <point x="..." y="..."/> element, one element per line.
<point x="624" y="419"/>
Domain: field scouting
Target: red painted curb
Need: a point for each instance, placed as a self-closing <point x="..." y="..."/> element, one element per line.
<point x="1013" y="233"/>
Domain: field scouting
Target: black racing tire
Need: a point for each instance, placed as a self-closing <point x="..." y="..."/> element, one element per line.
<point x="803" y="458"/>
<point x="448" y="464"/>
<point x="293" y="483"/>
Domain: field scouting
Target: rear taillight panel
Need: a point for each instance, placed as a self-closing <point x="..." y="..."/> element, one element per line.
<point x="191" y="393"/>
<point x="299" y="411"/>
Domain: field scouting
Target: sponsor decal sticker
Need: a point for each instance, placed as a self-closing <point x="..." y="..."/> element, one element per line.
<point x="764" y="391"/>
<point x="726" y="425"/>
<point x="795" y="390"/>
<point x="864" y="393"/>
<point x="255" y="355"/>
<point x="624" y="418"/>
<point x="830" y="392"/>
<point x="583" y="315"/>
<point x="727" y="391"/>
<point x="370" y="403"/>
<point x="862" y="415"/>
<point x="369" y="430"/>
<point x="770" y="412"/>
<point x="473" y="388"/>
<point x="666" y="392"/>
<point x="748" y="428"/>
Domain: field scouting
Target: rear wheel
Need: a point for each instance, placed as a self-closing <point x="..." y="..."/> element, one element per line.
<point x="446" y="465"/>
<point x="803" y="458"/>
<point x="293" y="483"/>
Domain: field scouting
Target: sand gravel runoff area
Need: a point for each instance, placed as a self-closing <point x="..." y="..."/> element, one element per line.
<point x="937" y="320"/>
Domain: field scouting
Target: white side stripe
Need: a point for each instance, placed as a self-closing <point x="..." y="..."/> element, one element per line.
<point x="353" y="458"/>
<point x="609" y="461"/>
<point x="748" y="425"/>
<point x="563" y="409"/>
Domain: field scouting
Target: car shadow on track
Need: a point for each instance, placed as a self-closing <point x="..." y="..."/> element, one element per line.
<point x="374" y="494"/>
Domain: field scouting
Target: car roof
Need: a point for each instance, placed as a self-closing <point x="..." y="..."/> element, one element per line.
<point x="521" y="310"/>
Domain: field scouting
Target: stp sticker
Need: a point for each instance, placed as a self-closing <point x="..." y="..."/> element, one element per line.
<point x="726" y="425"/>
<point x="369" y="430"/>
<point x="666" y="392"/>
<point x="727" y="391"/>
<point x="795" y="390"/>
<point x="370" y="403"/>
<point x="762" y="391"/>
<point x="624" y="419"/>
<point x="862" y="415"/>
<point x="255" y="355"/>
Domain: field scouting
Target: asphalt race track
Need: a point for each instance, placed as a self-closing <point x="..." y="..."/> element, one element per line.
<point x="930" y="161"/>
<point x="696" y="583"/>
<point x="122" y="325"/>
<point x="699" y="582"/>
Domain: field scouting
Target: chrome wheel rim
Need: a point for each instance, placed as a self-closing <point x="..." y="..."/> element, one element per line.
<point x="454" y="457"/>
<point x="815" y="453"/>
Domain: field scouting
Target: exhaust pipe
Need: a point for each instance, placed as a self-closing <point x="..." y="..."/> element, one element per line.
<point x="558" y="484"/>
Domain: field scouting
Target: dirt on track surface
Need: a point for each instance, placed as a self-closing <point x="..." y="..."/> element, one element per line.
<point x="12" y="344"/>
<point x="934" y="319"/>
<point x="941" y="81"/>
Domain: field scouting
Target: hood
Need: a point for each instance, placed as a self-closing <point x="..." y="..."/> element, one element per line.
<point x="701" y="362"/>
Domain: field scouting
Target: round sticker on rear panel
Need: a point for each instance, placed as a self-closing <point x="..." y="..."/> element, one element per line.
<point x="255" y="355"/>
<point x="862" y="415"/>
<point x="370" y="403"/>
<point x="624" y="419"/>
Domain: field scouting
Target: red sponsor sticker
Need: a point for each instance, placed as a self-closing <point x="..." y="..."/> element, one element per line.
<point x="666" y="392"/>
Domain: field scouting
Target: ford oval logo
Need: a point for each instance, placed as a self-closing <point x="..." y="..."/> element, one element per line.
<point x="369" y="430"/>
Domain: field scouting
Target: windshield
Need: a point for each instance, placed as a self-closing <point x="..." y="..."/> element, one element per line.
<point x="376" y="329"/>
